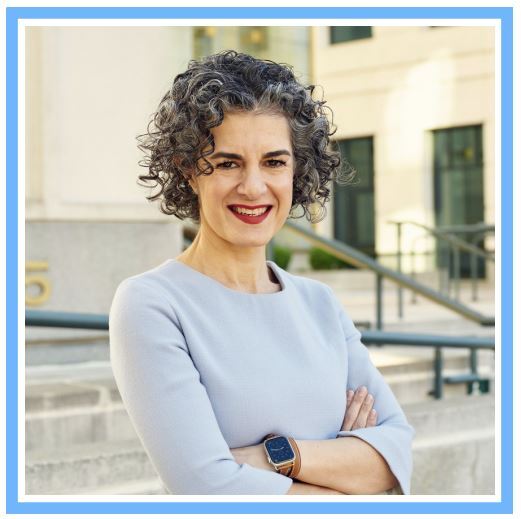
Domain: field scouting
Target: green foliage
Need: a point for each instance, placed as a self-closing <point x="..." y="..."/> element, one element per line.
<point x="319" y="259"/>
<point x="282" y="256"/>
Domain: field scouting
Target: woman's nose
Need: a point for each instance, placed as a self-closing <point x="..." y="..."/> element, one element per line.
<point x="252" y="183"/>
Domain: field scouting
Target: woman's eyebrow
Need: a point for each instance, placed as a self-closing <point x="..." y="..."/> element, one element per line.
<point x="226" y="155"/>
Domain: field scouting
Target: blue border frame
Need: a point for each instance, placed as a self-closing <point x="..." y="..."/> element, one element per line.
<point x="13" y="506"/>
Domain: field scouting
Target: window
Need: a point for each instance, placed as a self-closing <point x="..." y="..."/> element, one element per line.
<point x="342" y="33"/>
<point x="354" y="220"/>
<point x="458" y="186"/>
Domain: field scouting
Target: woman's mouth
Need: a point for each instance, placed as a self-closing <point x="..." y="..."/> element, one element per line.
<point x="251" y="215"/>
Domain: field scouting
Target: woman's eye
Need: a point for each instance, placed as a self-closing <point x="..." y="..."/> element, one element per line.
<point x="275" y="163"/>
<point x="226" y="165"/>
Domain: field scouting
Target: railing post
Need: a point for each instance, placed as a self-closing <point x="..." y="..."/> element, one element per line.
<point x="379" y="317"/>
<point x="438" y="374"/>
<point x="413" y="272"/>
<point x="474" y="276"/>
<point x="399" y="267"/>
<point x="445" y="273"/>
<point x="474" y="269"/>
<point x="455" y="251"/>
<point x="474" y="370"/>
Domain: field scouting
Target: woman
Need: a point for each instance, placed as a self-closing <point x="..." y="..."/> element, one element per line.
<point x="233" y="371"/>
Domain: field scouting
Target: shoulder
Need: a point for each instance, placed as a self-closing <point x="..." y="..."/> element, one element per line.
<point x="144" y="303"/>
<point x="159" y="281"/>
<point x="310" y="289"/>
<point x="152" y="288"/>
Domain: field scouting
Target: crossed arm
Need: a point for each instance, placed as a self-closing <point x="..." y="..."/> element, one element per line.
<point x="338" y="466"/>
<point x="174" y="418"/>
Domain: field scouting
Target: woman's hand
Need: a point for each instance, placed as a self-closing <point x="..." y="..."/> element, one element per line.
<point x="359" y="410"/>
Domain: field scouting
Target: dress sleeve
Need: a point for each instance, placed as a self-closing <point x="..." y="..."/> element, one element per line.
<point x="392" y="436"/>
<point x="167" y="403"/>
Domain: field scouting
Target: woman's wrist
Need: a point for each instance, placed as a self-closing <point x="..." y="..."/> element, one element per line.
<point x="299" y="488"/>
<point x="274" y="445"/>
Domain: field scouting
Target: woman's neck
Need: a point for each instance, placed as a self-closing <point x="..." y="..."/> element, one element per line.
<point x="242" y="269"/>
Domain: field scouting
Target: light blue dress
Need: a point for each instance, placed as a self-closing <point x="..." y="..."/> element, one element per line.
<point x="202" y="368"/>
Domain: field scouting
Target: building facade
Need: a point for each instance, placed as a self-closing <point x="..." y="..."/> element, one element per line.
<point x="413" y="106"/>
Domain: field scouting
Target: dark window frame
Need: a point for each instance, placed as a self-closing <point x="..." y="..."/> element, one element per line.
<point x="352" y="195"/>
<point x="347" y="33"/>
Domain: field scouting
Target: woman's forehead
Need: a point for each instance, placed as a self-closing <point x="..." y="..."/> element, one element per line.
<point x="251" y="128"/>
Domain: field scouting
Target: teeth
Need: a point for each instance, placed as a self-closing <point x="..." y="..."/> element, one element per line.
<point x="254" y="212"/>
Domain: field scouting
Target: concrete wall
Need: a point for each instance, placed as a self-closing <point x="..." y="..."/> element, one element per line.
<point x="87" y="260"/>
<point x="398" y="86"/>
<point x="90" y="92"/>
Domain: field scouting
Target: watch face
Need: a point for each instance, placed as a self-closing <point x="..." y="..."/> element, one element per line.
<point x="279" y="449"/>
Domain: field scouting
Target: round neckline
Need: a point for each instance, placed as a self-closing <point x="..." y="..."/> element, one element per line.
<point x="273" y="266"/>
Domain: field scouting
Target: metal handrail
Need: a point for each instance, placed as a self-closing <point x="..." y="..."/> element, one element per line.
<point x="359" y="259"/>
<point x="481" y="227"/>
<point x="443" y="234"/>
<point x="417" y="339"/>
<point x="85" y="321"/>
<point x="456" y="244"/>
<point x="54" y="319"/>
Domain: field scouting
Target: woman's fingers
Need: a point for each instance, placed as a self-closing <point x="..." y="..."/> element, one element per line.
<point x="364" y="412"/>
<point x="359" y="410"/>
<point x="353" y="408"/>
<point x="346" y="424"/>
<point x="371" y="421"/>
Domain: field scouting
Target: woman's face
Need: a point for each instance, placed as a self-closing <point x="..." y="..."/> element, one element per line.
<point x="247" y="198"/>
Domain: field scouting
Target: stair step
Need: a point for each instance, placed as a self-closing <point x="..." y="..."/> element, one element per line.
<point x="460" y="464"/>
<point x="86" y="408"/>
<point x="449" y="416"/>
<point x="76" y="468"/>
<point x="145" y="487"/>
<point x="453" y="438"/>
<point x="92" y="383"/>
<point x="68" y="426"/>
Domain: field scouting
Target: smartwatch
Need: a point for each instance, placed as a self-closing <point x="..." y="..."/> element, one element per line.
<point x="283" y="455"/>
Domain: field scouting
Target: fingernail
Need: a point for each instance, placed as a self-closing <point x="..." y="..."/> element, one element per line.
<point x="362" y="389"/>
<point x="369" y="397"/>
<point x="373" y="412"/>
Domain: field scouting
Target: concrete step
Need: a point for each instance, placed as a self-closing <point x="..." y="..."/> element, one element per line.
<point x="458" y="464"/>
<point x="454" y="446"/>
<point x="146" y="487"/>
<point x="50" y="387"/>
<point x="80" y="426"/>
<point x="453" y="454"/>
<point x="452" y="415"/>
<point x="87" y="408"/>
<point x="412" y="388"/>
<point x="366" y="279"/>
<point x="75" y="349"/>
<point x="88" y="424"/>
<point x="84" y="468"/>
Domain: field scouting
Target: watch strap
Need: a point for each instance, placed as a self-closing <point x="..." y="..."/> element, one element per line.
<point x="295" y="469"/>
<point x="291" y="468"/>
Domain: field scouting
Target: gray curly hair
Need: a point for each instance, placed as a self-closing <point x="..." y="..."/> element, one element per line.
<point x="178" y="138"/>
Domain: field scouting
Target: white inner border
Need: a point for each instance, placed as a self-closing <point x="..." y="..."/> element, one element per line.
<point x="21" y="252"/>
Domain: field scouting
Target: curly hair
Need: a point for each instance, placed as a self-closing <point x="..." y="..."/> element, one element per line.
<point x="178" y="137"/>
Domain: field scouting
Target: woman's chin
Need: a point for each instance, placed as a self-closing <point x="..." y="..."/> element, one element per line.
<point x="251" y="242"/>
